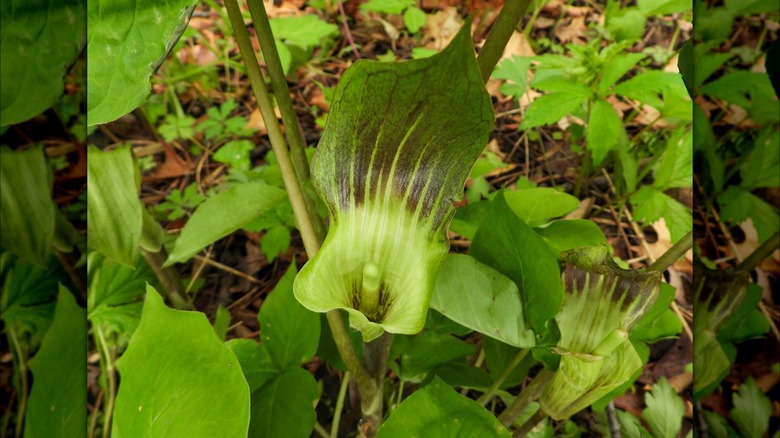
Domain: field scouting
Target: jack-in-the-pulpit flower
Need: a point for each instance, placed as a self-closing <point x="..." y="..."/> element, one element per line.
<point x="602" y="303"/>
<point x="716" y="296"/>
<point x="399" y="143"/>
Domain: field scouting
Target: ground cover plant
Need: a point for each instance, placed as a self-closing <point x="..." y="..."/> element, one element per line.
<point x="484" y="227"/>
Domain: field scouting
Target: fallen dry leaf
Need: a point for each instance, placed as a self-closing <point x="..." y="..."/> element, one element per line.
<point x="441" y="28"/>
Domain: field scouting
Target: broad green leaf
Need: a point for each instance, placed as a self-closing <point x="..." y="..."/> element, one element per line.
<point x="653" y="88"/>
<point x="439" y="323"/>
<point x="306" y="31"/>
<point x="468" y="218"/>
<point x="222" y="322"/>
<point x="676" y="167"/>
<point x="275" y="241"/>
<point x="738" y="205"/>
<point x="235" y="153"/>
<point x="114" y="212"/>
<point x="505" y="243"/>
<point x="713" y="24"/>
<point x="550" y="108"/>
<point x="436" y="410"/>
<point x="289" y="331"/>
<point x="707" y="64"/>
<point x="539" y="205"/>
<point x="665" y="409"/>
<point x="746" y="321"/>
<point x="115" y="294"/>
<point x="498" y="356"/>
<point x="389" y="165"/>
<point x="426" y="351"/>
<point x="27" y="297"/>
<point x="760" y="169"/>
<point x="717" y="426"/>
<point x="179" y="379"/>
<point x="27" y="216"/>
<point x="651" y="204"/>
<point x="515" y="71"/>
<point x="653" y="325"/>
<point x="565" y="234"/>
<point x="629" y="24"/>
<point x="630" y="425"/>
<point x="128" y="41"/>
<point x="462" y="375"/>
<point x="387" y="6"/>
<point x="58" y="399"/>
<point x="752" y="410"/>
<point x="39" y="40"/>
<point x="65" y="234"/>
<point x="750" y="7"/>
<point x="605" y="130"/>
<point x="663" y="7"/>
<point x="414" y="18"/>
<point x="616" y="69"/>
<point x="284" y="406"/>
<point x="750" y="90"/>
<point x="480" y="298"/>
<point x="255" y="362"/>
<point x="223" y="214"/>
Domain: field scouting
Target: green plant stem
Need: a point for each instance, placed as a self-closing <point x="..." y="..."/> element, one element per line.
<point x="372" y="396"/>
<point x="491" y="391"/>
<point x="529" y="394"/>
<point x="293" y="131"/>
<point x="334" y="427"/>
<point x="760" y="254"/>
<point x="530" y="424"/>
<point x="499" y="35"/>
<point x="169" y="278"/>
<point x="320" y="430"/>
<point x="20" y="365"/>
<point x="107" y="365"/>
<point x="366" y="384"/>
<point x="291" y="183"/>
<point x="672" y="254"/>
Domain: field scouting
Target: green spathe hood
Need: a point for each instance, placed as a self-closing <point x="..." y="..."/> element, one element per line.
<point x="601" y="305"/>
<point x="399" y="143"/>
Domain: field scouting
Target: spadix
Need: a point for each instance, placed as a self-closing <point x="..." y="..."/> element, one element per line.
<point x="399" y="143"/>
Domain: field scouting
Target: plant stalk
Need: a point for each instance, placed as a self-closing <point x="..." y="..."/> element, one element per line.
<point x="529" y="394"/>
<point x="760" y="254"/>
<point x="530" y="424"/>
<point x="672" y="254"/>
<point x="263" y="97"/>
<point x="169" y="278"/>
<point x="499" y="36"/>
<point x="107" y="360"/>
<point x="334" y="427"/>
<point x="310" y="239"/>
<point x="20" y="365"/>
<point x="372" y="397"/>
<point x="293" y="131"/>
<point x="485" y="398"/>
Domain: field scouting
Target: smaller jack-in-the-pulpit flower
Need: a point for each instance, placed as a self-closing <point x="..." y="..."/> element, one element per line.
<point x="602" y="303"/>
<point x="716" y="296"/>
<point x="398" y="145"/>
